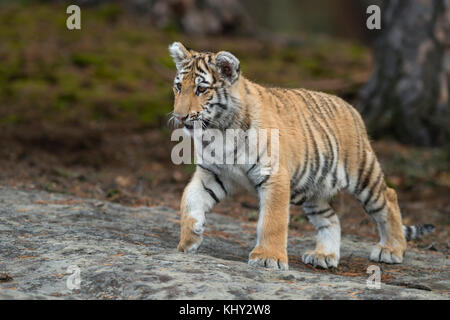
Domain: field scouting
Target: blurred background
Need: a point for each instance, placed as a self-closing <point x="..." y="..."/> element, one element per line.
<point x="84" y="112"/>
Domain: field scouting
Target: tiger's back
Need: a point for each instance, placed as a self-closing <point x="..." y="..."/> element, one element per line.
<point x="322" y="137"/>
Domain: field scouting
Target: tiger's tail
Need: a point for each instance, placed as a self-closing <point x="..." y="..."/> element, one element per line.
<point x="417" y="231"/>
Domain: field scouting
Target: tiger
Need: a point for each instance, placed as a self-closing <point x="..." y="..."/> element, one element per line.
<point x="323" y="148"/>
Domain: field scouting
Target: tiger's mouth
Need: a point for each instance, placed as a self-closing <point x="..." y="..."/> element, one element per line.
<point x="201" y="124"/>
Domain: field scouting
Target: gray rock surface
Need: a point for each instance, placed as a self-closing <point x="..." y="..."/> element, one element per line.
<point x="129" y="253"/>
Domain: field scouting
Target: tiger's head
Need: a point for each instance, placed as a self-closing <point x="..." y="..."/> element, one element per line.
<point x="204" y="87"/>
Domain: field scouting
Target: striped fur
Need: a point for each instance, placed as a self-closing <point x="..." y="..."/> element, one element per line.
<point x="324" y="148"/>
<point x="415" y="232"/>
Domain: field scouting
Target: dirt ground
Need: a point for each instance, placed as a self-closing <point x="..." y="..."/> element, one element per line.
<point x="132" y="166"/>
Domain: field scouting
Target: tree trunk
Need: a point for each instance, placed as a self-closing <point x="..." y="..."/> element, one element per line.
<point x="408" y="94"/>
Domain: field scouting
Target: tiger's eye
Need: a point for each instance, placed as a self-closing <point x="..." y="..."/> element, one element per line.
<point x="202" y="89"/>
<point x="178" y="85"/>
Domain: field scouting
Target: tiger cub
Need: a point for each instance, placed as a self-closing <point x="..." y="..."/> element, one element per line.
<point x="323" y="148"/>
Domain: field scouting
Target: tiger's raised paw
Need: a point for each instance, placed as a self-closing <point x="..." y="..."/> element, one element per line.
<point x="386" y="254"/>
<point x="320" y="259"/>
<point x="261" y="258"/>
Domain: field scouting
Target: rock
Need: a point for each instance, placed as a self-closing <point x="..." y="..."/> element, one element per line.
<point x="129" y="253"/>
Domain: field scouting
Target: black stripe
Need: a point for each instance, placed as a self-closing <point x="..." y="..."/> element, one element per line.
<point x="225" y="95"/>
<point x="317" y="123"/>
<point x="221" y="105"/>
<point x="316" y="153"/>
<point x="325" y="170"/>
<point x="205" y="168"/>
<point x="295" y="193"/>
<point x="377" y="198"/>
<point x="306" y="162"/>
<point x="202" y="78"/>
<point x="381" y="190"/>
<point x="300" y="202"/>
<point x="323" y="227"/>
<point x="294" y="177"/>
<point x="219" y="182"/>
<point x="259" y="92"/>
<point x="330" y="215"/>
<point x="263" y="181"/>
<point x="334" y="181"/>
<point x="312" y="103"/>
<point x="253" y="166"/>
<point x="366" y="180"/>
<point x="334" y="158"/>
<point x="319" y="212"/>
<point x="246" y="87"/>
<point x="362" y="166"/>
<point x="317" y="159"/>
<point x="219" y="97"/>
<point x="331" y="107"/>
<point x="408" y="233"/>
<point x="376" y="210"/>
<point x="347" y="179"/>
<point x="326" y="102"/>
<point x="380" y="176"/>
<point x="316" y="105"/>
<point x="280" y="103"/>
<point x="328" y="161"/>
<point x="211" y="193"/>
<point x="200" y="69"/>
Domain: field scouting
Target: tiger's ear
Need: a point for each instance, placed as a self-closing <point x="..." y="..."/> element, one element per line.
<point x="228" y="66"/>
<point x="179" y="53"/>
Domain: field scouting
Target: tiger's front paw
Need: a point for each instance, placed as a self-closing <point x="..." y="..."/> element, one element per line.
<point x="190" y="244"/>
<point x="320" y="259"/>
<point x="386" y="254"/>
<point x="191" y="236"/>
<point x="264" y="258"/>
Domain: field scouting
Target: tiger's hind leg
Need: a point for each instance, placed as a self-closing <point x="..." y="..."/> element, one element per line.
<point x="392" y="245"/>
<point x="328" y="238"/>
<point x="380" y="202"/>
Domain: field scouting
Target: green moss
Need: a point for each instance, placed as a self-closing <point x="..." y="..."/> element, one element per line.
<point x="312" y="66"/>
<point x="109" y="12"/>
<point x="10" y="119"/>
<point x="87" y="59"/>
<point x="356" y="52"/>
<point x="167" y="61"/>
